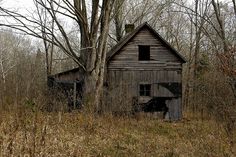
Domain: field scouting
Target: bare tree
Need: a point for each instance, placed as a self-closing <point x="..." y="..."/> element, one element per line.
<point x="137" y="12"/>
<point x="234" y="5"/>
<point x="6" y="60"/>
<point x="221" y="24"/>
<point x="118" y="18"/>
<point x="93" y="26"/>
<point x="44" y="18"/>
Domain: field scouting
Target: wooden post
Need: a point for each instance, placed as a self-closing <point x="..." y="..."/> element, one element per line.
<point x="74" y="95"/>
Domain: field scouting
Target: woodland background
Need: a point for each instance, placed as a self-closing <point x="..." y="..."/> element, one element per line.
<point x="204" y="31"/>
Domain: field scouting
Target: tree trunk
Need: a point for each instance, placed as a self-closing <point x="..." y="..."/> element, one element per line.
<point x="234" y="4"/>
<point x="94" y="53"/>
<point x="89" y="89"/>
<point x="118" y="18"/>
<point x="3" y="81"/>
<point x="220" y="21"/>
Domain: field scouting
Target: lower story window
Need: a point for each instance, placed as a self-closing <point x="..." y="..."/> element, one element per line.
<point x="145" y="90"/>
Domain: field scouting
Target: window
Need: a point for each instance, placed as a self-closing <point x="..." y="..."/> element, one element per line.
<point x="144" y="53"/>
<point x="145" y="90"/>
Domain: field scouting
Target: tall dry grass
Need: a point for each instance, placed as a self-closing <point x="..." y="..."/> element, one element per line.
<point x="26" y="132"/>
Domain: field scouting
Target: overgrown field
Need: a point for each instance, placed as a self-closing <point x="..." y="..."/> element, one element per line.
<point x="74" y="134"/>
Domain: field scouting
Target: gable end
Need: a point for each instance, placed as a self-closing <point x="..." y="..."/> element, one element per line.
<point x="115" y="50"/>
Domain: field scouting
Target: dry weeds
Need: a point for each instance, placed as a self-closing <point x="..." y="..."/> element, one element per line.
<point x="27" y="133"/>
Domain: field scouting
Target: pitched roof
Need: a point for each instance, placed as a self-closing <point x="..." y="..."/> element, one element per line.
<point x="66" y="72"/>
<point x="131" y="35"/>
<point x="124" y="41"/>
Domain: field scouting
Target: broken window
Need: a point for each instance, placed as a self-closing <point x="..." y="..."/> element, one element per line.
<point x="145" y="90"/>
<point x="144" y="53"/>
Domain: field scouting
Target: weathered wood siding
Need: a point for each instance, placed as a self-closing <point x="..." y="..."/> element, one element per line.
<point x="119" y="78"/>
<point x="160" y="56"/>
<point x="175" y="108"/>
<point x="123" y="86"/>
<point x="125" y="73"/>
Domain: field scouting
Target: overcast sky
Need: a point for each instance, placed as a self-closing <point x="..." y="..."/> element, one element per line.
<point x="22" y="5"/>
<point x="17" y="3"/>
<point x="26" y="6"/>
<point x="29" y="3"/>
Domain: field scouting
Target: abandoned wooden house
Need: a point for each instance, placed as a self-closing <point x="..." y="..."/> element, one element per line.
<point x="143" y="72"/>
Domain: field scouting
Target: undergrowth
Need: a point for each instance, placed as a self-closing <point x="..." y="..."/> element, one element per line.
<point x="33" y="133"/>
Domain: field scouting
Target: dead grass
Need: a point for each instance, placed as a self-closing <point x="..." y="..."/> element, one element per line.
<point x="75" y="134"/>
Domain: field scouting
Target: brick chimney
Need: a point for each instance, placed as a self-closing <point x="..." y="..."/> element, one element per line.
<point x="129" y="28"/>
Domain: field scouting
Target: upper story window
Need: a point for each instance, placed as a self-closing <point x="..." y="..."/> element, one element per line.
<point x="145" y="89"/>
<point x="144" y="52"/>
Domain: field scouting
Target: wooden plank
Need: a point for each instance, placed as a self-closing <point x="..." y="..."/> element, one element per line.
<point x="74" y="96"/>
<point x="157" y="50"/>
<point x="175" y="110"/>
<point x="126" y="72"/>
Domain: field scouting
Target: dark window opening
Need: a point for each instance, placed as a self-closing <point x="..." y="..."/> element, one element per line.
<point x="144" y="53"/>
<point x="145" y="90"/>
